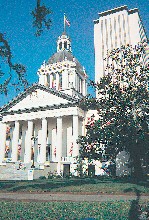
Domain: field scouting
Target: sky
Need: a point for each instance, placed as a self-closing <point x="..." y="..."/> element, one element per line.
<point x="31" y="51"/>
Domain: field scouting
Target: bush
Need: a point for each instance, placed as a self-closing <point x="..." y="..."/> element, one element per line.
<point x="42" y="177"/>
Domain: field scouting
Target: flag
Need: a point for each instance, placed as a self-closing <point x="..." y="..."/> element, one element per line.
<point x="8" y="130"/>
<point x="55" y="151"/>
<point x="66" y="21"/>
<point x="71" y="149"/>
<point x="19" y="148"/>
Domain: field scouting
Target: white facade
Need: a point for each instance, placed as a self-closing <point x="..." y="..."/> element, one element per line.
<point x="45" y="120"/>
<point x="114" y="28"/>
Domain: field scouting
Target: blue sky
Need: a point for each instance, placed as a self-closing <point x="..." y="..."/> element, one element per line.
<point x="31" y="51"/>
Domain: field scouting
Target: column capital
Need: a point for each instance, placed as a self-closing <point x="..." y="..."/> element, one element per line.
<point x="75" y="115"/>
<point x="44" y="118"/>
<point x="59" y="117"/>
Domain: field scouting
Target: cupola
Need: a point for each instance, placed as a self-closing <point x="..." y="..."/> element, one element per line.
<point x="63" y="43"/>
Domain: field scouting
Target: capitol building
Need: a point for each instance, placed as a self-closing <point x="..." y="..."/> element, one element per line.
<point x="40" y="127"/>
<point x="45" y="121"/>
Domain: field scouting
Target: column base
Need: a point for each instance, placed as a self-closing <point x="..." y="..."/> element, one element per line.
<point x="2" y="164"/>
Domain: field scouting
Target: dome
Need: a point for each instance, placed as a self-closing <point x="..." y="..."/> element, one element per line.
<point x="65" y="55"/>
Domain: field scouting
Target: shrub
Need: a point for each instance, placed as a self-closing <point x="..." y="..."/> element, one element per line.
<point x="42" y="177"/>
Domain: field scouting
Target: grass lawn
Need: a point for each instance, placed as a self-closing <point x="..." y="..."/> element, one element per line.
<point x="76" y="185"/>
<point x="72" y="210"/>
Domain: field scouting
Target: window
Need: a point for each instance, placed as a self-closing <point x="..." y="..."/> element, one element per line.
<point x="65" y="44"/>
<point x="60" y="45"/>
<point x="60" y="81"/>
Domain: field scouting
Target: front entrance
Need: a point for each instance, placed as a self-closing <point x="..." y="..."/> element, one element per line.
<point x="66" y="170"/>
<point x="91" y="170"/>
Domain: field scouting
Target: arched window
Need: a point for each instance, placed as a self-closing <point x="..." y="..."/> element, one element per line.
<point x="60" y="81"/>
<point x="48" y="79"/>
<point x="65" y="44"/>
<point x="54" y="81"/>
<point x="60" y="45"/>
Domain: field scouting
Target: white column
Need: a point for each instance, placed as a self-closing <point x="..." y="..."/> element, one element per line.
<point x="2" y="141"/>
<point x="43" y="141"/>
<point x="69" y="141"/>
<point x="51" y="80"/>
<point x="64" y="79"/>
<point x="83" y="127"/>
<point x="75" y="135"/>
<point x="51" y="125"/>
<point x="41" y="79"/>
<point x="54" y="144"/>
<point x="59" y="143"/>
<point x="74" y="80"/>
<point x="24" y="128"/>
<point x="35" y="143"/>
<point x="84" y="87"/>
<point x="15" y="142"/>
<point x="28" y="142"/>
<point x="57" y="81"/>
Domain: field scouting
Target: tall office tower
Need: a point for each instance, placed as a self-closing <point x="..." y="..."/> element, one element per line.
<point x="116" y="27"/>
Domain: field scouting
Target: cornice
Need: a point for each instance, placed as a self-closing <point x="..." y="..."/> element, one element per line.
<point x="113" y="10"/>
<point x="30" y="89"/>
<point x="41" y="108"/>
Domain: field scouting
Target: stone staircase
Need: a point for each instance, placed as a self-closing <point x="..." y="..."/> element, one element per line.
<point x="11" y="171"/>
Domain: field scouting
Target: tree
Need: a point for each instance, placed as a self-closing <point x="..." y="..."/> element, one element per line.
<point x="8" y="67"/>
<point x="122" y="107"/>
<point x="40" y="19"/>
<point x="10" y="70"/>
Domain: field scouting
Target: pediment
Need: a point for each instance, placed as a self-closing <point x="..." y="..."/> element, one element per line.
<point x="37" y="96"/>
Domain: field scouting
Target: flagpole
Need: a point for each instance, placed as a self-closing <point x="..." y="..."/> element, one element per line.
<point x="64" y="23"/>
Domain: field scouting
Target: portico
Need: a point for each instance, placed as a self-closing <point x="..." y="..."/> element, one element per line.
<point x="55" y="132"/>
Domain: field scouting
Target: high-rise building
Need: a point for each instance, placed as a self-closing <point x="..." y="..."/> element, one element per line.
<point x="113" y="28"/>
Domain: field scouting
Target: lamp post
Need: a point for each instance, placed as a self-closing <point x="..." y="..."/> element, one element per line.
<point x="34" y="140"/>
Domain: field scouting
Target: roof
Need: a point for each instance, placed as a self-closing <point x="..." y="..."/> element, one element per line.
<point x="114" y="10"/>
<point x="32" y="88"/>
<point x="64" y="55"/>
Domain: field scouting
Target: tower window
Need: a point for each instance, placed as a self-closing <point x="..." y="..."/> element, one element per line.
<point x="65" y="44"/>
<point x="60" y="45"/>
<point x="48" y="79"/>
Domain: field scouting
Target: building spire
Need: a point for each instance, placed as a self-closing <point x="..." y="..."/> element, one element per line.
<point x="64" y="42"/>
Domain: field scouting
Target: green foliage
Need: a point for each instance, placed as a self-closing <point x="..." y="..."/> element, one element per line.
<point x="40" y="18"/>
<point x="118" y="210"/>
<point x="42" y="177"/>
<point x="9" y="68"/>
<point x="81" y="171"/>
<point x="122" y="107"/>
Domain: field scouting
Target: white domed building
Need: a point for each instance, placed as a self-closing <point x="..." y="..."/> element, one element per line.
<point x="45" y="121"/>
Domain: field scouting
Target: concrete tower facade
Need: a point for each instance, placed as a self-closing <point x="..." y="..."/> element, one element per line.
<point x="114" y="28"/>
